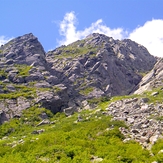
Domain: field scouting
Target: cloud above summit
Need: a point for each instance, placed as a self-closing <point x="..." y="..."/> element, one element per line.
<point x="4" y="39"/>
<point x="149" y="35"/>
<point x="70" y="33"/>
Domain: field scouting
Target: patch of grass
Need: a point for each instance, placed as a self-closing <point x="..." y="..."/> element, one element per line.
<point x="102" y="102"/>
<point x="22" y="91"/>
<point x="154" y="98"/>
<point x="32" y="83"/>
<point x="73" y="50"/>
<point x="3" y="73"/>
<point x="28" y="92"/>
<point x="24" y="125"/>
<point x="56" y="89"/>
<point x="86" y="91"/>
<point x="23" y="70"/>
<point x="142" y="73"/>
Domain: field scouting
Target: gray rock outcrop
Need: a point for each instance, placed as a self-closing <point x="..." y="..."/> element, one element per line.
<point x="152" y="80"/>
<point x="108" y="66"/>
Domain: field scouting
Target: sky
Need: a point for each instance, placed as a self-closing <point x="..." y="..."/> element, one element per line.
<point x="60" y="22"/>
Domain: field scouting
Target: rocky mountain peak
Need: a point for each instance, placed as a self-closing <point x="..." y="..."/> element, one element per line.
<point x="97" y="39"/>
<point x="22" y="50"/>
<point x="108" y="66"/>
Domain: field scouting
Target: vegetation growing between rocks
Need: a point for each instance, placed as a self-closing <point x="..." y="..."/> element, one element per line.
<point x="74" y="50"/>
<point x="66" y="140"/>
<point x="155" y="96"/>
<point x="86" y="91"/>
<point x="23" y="70"/>
<point x="22" y="90"/>
<point x="3" y="73"/>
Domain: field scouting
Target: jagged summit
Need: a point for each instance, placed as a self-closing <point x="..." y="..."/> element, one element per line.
<point x="22" y="50"/>
<point x="112" y="66"/>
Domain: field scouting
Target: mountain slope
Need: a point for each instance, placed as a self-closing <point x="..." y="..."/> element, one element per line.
<point x="109" y="67"/>
<point x="69" y="77"/>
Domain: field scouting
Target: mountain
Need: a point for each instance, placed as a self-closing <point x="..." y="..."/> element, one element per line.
<point x="95" y="100"/>
<point x="108" y="66"/>
<point x="68" y="78"/>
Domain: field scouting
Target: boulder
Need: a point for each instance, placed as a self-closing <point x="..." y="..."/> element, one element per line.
<point x="43" y="122"/>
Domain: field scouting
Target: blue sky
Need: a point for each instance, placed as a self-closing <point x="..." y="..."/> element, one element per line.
<point x="57" y="22"/>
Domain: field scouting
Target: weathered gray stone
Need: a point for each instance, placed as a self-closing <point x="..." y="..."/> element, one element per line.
<point x="152" y="80"/>
<point x="43" y="122"/>
<point x="43" y="84"/>
<point x="154" y="93"/>
<point x="38" y="131"/>
<point x="69" y="111"/>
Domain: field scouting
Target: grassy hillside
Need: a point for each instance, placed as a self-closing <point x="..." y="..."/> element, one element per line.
<point x="95" y="138"/>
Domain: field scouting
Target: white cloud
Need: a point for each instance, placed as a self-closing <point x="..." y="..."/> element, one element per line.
<point x="68" y="29"/>
<point x="150" y="35"/>
<point x="4" y="40"/>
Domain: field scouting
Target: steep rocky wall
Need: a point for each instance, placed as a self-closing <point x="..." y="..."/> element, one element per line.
<point x="152" y="80"/>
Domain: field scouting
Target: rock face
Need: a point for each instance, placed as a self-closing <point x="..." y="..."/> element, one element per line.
<point x="24" y="50"/>
<point x="27" y="79"/>
<point x="65" y="78"/>
<point x="152" y="80"/>
<point x="107" y="66"/>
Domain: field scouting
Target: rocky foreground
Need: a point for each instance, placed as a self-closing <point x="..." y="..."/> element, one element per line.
<point x="144" y="120"/>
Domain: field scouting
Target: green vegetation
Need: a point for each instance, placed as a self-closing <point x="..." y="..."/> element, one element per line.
<point x="102" y="102"/>
<point x="19" y="127"/>
<point x="148" y="94"/>
<point x="3" y="73"/>
<point x="67" y="141"/>
<point x="142" y="73"/>
<point x="23" y="70"/>
<point x="154" y="98"/>
<point x="56" y="89"/>
<point x="73" y="50"/>
<point x="22" y="91"/>
<point x="86" y="91"/>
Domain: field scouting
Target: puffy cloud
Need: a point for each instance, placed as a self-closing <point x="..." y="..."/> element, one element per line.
<point x="70" y="34"/>
<point x="150" y="35"/>
<point x="4" y="40"/>
<point x="68" y="29"/>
